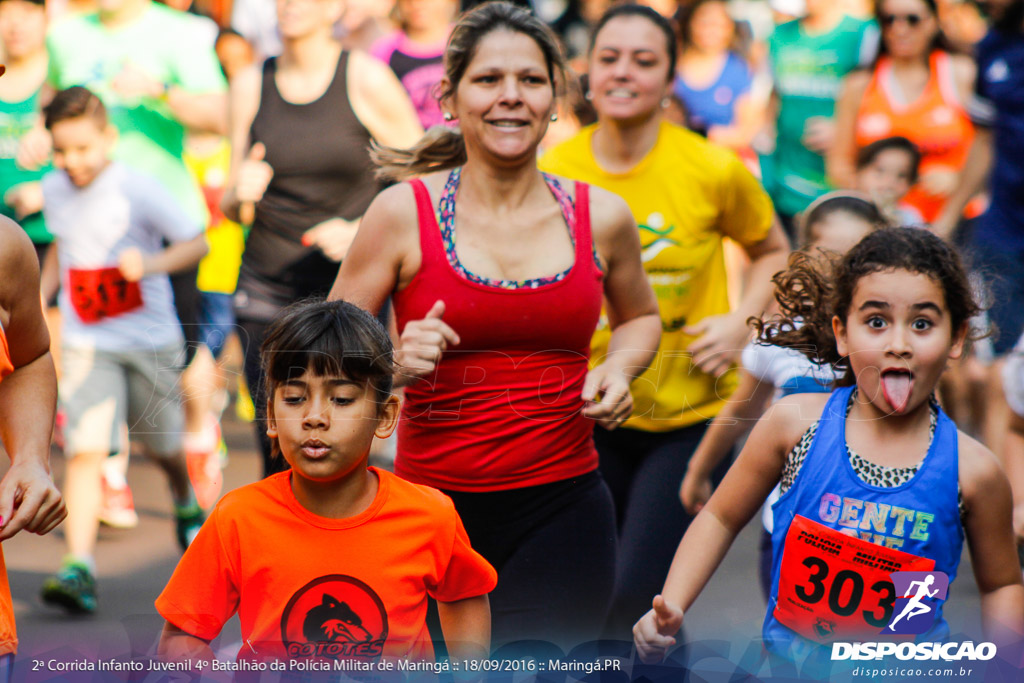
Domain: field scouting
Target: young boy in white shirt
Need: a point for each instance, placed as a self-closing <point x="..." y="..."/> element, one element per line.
<point x="121" y="336"/>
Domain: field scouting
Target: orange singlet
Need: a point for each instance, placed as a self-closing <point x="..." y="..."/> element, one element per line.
<point x="8" y="635"/>
<point x="937" y="123"/>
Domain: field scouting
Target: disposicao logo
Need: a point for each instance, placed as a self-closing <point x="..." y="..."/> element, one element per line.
<point x="918" y="595"/>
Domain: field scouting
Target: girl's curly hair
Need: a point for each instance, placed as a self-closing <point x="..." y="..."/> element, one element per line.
<point x="814" y="289"/>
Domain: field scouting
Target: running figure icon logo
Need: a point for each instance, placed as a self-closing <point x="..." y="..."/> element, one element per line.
<point x="917" y="596"/>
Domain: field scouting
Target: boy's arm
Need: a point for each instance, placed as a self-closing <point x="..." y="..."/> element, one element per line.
<point x="467" y="627"/>
<point x="989" y="531"/>
<point x="973" y="175"/>
<point x="135" y="265"/>
<point x="176" y="645"/>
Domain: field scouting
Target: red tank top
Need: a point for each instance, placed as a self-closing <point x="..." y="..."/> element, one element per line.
<point x="936" y="122"/>
<point x="503" y="409"/>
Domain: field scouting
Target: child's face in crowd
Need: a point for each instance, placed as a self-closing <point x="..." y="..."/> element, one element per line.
<point x="838" y="232"/>
<point x="887" y="178"/>
<point x="81" y="148"/>
<point x="505" y="98"/>
<point x="299" y="18"/>
<point x="629" y="68"/>
<point x="22" y="27"/>
<point x="325" y="425"/>
<point x="426" y="15"/>
<point x="899" y="337"/>
<point x="711" y="27"/>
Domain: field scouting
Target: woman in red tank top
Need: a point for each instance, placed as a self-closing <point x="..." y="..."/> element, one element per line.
<point x="497" y="274"/>
<point x="917" y="90"/>
<point x="28" y="400"/>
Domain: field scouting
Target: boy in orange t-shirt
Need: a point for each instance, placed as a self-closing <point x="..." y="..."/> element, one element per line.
<point x="332" y="559"/>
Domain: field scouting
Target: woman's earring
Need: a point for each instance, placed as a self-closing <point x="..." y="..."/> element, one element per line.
<point x="665" y="102"/>
<point x="589" y="96"/>
<point x="554" y="117"/>
<point x="447" y="116"/>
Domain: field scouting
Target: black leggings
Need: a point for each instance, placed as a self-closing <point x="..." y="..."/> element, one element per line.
<point x="644" y="471"/>
<point x="554" y="548"/>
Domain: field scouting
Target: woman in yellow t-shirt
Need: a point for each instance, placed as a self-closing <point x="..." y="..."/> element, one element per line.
<point x="686" y="195"/>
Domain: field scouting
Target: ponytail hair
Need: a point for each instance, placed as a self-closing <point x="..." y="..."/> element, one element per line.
<point x="442" y="147"/>
<point x="814" y="289"/>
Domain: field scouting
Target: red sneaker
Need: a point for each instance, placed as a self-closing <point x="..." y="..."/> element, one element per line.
<point x="205" y="475"/>
<point x="117" y="509"/>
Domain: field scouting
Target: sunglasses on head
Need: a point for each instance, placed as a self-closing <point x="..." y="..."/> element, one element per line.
<point x="912" y="20"/>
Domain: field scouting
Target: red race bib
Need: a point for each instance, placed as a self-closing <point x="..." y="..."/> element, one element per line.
<point x="102" y="293"/>
<point x="837" y="587"/>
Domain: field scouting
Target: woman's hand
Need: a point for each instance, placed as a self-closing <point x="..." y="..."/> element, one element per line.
<point x="607" y="397"/>
<point x="694" y="492"/>
<point x="25" y="199"/>
<point x="333" y="237"/>
<point x="34" y="148"/>
<point x="423" y="342"/>
<point x="254" y="175"/>
<point x="720" y="341"/>
<point x="654" y="634"/>
<point x="939" y="182"/>
<point x="819" y="134"/>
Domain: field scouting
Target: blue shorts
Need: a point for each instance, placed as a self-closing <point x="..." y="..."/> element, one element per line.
<point x="216" y="320"/>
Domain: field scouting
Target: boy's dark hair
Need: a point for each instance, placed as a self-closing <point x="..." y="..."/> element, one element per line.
<point x="833" y="203"/>
<point x="868" y="153"/>
<point x="74" y="103"/>
<point x="328" y="338"/>
<point x="813" y="290"/>
<point x="631" y="9"/>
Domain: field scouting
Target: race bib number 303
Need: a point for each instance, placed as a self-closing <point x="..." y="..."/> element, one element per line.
<point x="837" y="587"/>
<point x="102" y="293"/>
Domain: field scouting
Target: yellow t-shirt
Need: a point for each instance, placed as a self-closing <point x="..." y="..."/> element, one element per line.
<point x="218" y="271"/>
<point x="686" y="195"/>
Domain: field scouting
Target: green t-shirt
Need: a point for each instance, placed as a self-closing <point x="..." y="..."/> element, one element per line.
<point x="165" y="44"/>
<point x="16" y="118"/>
<point x="808" y="70"/>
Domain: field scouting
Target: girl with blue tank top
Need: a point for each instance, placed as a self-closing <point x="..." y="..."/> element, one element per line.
<point x="830" y="226"/>
<point x="875" y="479"/>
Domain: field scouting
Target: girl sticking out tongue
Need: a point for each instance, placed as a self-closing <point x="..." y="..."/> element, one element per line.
<point x="888" y="316"/>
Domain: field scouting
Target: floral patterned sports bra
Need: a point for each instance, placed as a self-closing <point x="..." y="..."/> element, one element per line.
<point x="446" y="221"/>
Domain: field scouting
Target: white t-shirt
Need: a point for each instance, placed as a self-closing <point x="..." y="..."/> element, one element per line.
<point x="92" y="225"/>
<point x="788" y="370"/>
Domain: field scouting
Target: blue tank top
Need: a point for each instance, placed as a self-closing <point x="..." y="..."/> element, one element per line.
<point x="920" y="517"/>
<point x="715" y="104"/>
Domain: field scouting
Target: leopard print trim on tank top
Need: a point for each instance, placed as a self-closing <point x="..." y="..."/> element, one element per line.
<point x="870" y="473"/>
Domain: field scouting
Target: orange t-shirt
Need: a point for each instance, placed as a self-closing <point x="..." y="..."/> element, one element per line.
<point x="308" y="587"/>
<point x="8" y="634"/>
<point x="936" y="122"/>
